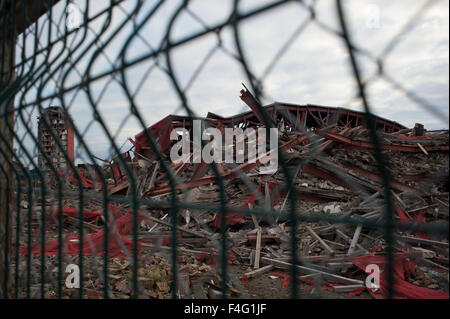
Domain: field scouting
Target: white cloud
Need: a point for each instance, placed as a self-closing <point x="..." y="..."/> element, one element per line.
<point x="314" y="69"/>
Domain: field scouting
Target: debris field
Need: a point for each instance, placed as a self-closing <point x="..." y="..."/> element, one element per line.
<point x="340" y="213"/>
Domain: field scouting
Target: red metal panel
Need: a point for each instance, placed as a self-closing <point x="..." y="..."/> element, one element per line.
<point x="156" y="130"/>
<point x="70" y="144"/>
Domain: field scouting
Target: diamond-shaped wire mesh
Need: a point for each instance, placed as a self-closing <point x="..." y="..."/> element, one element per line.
<point x="90" y="94"/>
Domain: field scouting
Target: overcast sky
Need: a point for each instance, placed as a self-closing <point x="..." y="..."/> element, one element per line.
<point x="313" y="69"/>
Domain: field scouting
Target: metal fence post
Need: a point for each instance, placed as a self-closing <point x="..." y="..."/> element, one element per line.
<point x="50" y="62"/>
<point x="5" y="162"/>
<point x="33" y="10"/>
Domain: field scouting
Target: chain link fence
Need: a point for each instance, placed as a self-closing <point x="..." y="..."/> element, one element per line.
<point x="78" y="79"/>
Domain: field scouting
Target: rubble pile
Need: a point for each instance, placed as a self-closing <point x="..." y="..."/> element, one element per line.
<point x="335" y="175"/>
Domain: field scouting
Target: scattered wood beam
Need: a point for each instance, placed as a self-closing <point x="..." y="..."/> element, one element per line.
<point x="348" y="239"/>
<point x="354" y="240"/>
<point x="320" y="240"/>
<point x="159" y="221"/>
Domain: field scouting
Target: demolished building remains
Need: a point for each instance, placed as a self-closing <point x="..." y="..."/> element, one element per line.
<point x="329" y="154"/>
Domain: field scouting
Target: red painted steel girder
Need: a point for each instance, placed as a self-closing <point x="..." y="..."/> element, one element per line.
<point x="354" y="118"/>
<point x="161" y="130"/>
<point x="248" y="99"/>
<point x="363" y="145"/>
<point x="376" y="178"/>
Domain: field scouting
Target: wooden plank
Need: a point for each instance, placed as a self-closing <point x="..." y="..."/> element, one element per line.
<point x="427" y="261"/>
<point x="181" y="250"/>
<point x="347" y="288"/>
<point x="258" y="248"/>
<point x="152" y="179"/>
<point x="442" y="203"/>
<point x="372" y="214"/>
<point x="159" y="221"/>
<point x="156" y="224"/>
<point x="255" y="221"/>
<point x="348" y="239"/>
<point x="442" y="260"/>
<point x="370" y="198"/>
<point x="252" y="258"/>
<point x="257" y="272"/>
<point x="272" y="251"/>
<point x="307" y="270"/>
<point x="311" y="246"/>
<point x="426" y="253"/>
<point x="320" y="240"/>
<point x="121" y="186"/>
<point x="354" y="240"/>
<point x="335" y="244"/>
<point x="339" y="264"/>
<point x="308" y="276"/>
<point x="400" y="201"/>
<point x="264" y="238"/>
<point x="267" y="200"/>
<point x="422" y="149"/>
<point x="417" y="240"/>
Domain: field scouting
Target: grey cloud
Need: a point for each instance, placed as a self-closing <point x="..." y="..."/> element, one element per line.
<point x="315" y="69"/>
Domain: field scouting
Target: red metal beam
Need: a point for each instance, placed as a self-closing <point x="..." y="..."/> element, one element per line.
<point x="363" y="145"/>
<point x="376" y="178"/>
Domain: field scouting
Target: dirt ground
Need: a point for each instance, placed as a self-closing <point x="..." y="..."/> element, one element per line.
<point x="264" y="287"/>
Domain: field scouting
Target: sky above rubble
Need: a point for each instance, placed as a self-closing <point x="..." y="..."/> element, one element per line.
<point x="314" y="68"/>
